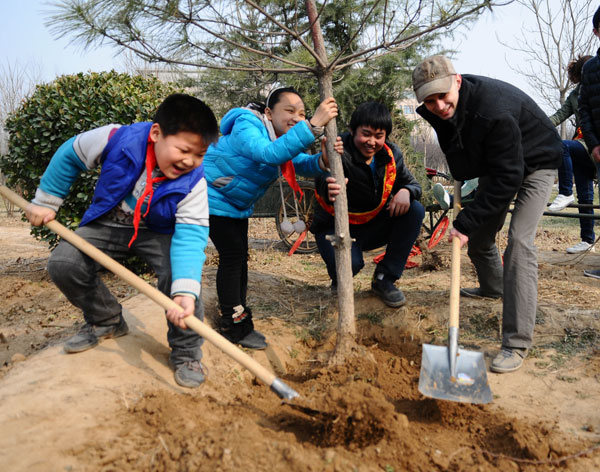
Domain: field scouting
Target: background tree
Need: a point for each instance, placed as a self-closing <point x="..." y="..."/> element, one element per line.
<point x="562" y="32"/>
<point x="17" y="81"/>
<point x="273" y="37"/>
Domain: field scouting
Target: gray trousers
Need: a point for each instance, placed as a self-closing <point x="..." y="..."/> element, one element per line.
<point x="76" y="275"/>
<point x="518" y="279"/>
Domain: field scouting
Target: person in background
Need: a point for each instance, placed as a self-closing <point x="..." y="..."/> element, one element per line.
<point x="492" y="130"/>
<point x="589" y="109"/>
<point x="150" y="200"/>
<point x="383" y="204"/>
<point x="576" y="162"/>
<point x="256" y="142"/>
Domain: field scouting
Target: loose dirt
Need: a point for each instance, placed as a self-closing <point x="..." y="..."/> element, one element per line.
<point x="117" y="407"/>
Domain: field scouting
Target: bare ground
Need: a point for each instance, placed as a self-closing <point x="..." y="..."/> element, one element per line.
<point x="116" y="407"/>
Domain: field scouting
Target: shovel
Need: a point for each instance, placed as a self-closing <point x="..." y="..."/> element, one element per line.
<point x="450" y="373"/>
<point x="283" y="390"/>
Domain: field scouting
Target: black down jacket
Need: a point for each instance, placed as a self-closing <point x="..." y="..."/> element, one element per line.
<point x="363" y="190"/>
<point x="497" y="131"/>
<point x="589" y="102"/>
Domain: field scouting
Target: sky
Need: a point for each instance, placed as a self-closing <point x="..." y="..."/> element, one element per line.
<point x="32" y="45"/>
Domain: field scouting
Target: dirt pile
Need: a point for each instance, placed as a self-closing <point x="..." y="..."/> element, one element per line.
<point x="116" y="407"/>
<point x="366" y="415"/>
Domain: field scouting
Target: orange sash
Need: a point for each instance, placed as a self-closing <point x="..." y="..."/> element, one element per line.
<point x="388" y="183"/>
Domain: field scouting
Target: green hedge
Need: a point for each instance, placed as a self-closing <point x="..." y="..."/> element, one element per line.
<point x="62" y="109"/>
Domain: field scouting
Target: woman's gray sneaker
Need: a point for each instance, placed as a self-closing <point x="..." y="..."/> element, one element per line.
<point x="90" y="335"/>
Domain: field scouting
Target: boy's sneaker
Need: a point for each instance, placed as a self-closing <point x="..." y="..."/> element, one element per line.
<point x="580" y="247"/>
<point x="190" y="374"/>
<point x="508" y="360"/>
<point x="595" y="273"/>
<point x="441" y="196"/>
<point x="385" y="289"/>
<point x="90" y="335"/>
<point x="561" y="202"/>
<point x="477" y="292"/>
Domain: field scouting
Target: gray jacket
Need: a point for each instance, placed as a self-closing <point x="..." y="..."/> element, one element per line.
<point x="568" y="109"/>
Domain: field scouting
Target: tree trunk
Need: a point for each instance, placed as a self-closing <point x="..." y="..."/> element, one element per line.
<point x="341" y="240"/>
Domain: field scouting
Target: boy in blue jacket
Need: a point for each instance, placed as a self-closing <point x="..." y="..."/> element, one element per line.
<point x="150" y="201"/>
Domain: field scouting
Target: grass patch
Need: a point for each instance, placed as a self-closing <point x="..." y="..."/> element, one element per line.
<point x="567" y="378"/>
<point x="314" y="326"/>
<point x="536" y="352"/>
<point x="576" y="341"/>
<point x="373" y="318"/>
<point x="558" y="360"/>
<point x="483" y="326"/>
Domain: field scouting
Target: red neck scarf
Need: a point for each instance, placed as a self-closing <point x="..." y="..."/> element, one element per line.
<point x="388" y="184"/>
<point x="289" y="173"/>
<point x="148" y="190"/>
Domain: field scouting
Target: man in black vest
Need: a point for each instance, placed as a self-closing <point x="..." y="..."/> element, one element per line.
<point x="492" y="130"/>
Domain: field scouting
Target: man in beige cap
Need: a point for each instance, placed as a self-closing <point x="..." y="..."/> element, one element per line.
<point x="492" y="130"/>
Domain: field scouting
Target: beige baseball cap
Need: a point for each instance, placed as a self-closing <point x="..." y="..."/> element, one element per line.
<point x="434" y="75"/>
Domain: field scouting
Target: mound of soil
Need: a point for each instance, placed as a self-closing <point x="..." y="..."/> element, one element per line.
<point x="117" y="407"/>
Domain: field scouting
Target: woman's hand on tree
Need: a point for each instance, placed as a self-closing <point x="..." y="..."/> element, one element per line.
<point x="326" y="111"/>
<point x="337" y="147"/>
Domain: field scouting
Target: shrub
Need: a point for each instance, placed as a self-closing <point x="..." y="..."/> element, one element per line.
<point x="62" y="109"/>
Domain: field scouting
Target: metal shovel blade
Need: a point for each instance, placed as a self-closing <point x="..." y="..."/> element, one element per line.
<point x="469" y="385"/>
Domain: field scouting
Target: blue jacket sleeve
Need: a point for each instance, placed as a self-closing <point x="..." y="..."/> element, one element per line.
<point x="307" y="165"/>
<point x="187" y="258"/>
<point x="63" y="169"/>
<point x="248" y="139"/>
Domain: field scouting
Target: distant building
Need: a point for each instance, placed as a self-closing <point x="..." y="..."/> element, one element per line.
<point x="423" y="139"/>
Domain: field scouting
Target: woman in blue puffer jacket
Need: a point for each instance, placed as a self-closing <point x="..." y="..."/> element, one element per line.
<point x="255" y="141"/>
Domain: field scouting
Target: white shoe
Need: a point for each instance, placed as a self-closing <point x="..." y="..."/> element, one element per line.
<point x="441" y="196"/>
<point x="580" y="247"/>
<point x="561" y="202"/>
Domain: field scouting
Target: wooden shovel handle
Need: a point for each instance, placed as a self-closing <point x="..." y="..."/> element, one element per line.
<point x="154" y="294"/>
<point x="455" y="264"/>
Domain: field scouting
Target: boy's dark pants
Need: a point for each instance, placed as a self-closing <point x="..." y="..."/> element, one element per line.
<point x="399" y="233"/>
<point x="76" y="275"/>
